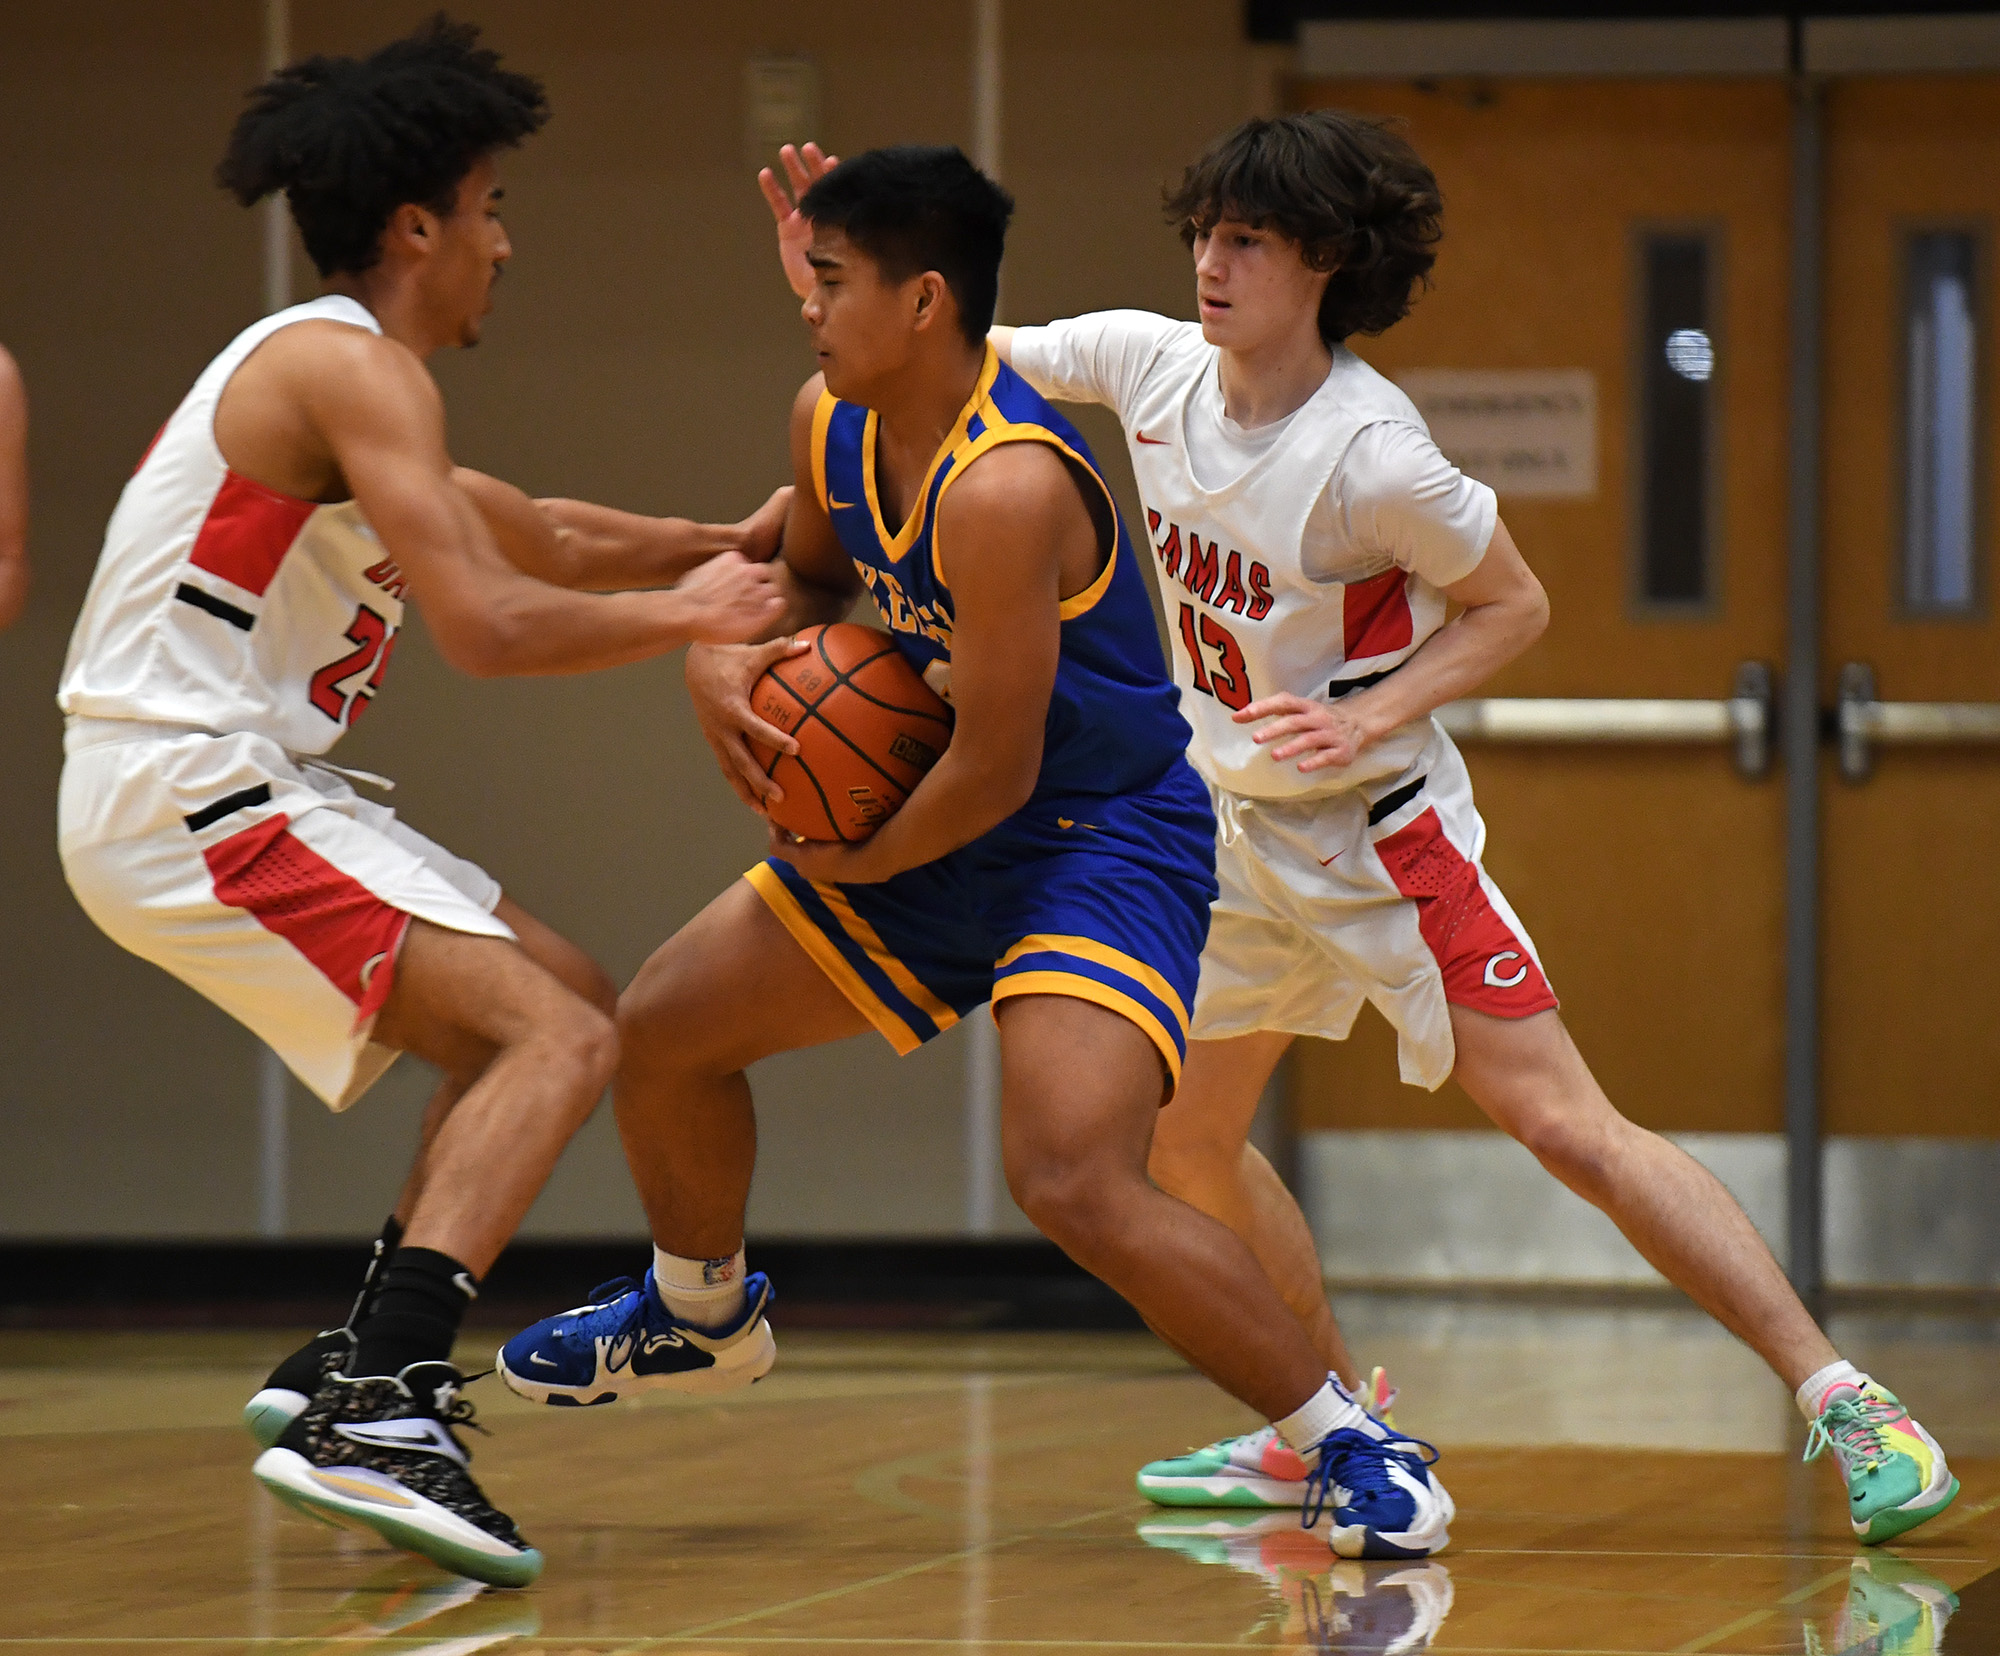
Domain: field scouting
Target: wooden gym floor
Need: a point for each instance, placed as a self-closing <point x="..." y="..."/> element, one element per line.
<point x="1627" y="1482"/>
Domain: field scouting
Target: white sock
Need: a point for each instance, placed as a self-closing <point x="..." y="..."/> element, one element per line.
<point x="1839" y="1372"/>
<point x="705" y="1292"/>
<point x="1327" y="1410"/>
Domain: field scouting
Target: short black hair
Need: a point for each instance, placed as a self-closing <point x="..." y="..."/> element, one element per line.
<point x="1348" y="189"/>
<point x="349" y="140"/>
<point x="918" y="207"/>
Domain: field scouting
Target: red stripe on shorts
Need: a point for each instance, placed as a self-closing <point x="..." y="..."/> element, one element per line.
<point x="331" y="918"/>
<point x="1375" y="616"/>
<point x="1485" y="965"/>
<point x="247" y="532"/>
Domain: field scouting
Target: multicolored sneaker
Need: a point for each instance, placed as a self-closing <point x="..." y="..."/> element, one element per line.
<point x="626" y="1341"/>
<point x="1383" y="1497"/>
<point x="1258" y="1469"/>
<point x="378" y="1453"/>
<point x="1895" y="1471"/>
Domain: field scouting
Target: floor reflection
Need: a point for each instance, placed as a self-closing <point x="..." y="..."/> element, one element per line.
<point x="1893" y="1608"/>
<point x="414" y="1609"/>
<point x="1322" y="1603"/>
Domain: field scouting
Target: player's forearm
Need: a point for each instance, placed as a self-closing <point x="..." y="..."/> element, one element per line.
<point x="965" y="794"/>
<point x="1002" y="338"/>
<point x="807" y="604"/>
<point x="607" y="550"/>
<point x="1453" y="662"/>
<point x="536" y="630"/>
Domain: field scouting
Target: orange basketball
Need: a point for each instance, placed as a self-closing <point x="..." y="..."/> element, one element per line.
<point x="867" y="725"/>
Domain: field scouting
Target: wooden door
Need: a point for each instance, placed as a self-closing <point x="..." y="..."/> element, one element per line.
<point x="1911" y="958"/>
<point x="1651" y="879"/>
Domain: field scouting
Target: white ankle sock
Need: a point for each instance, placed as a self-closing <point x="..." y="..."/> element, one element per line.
<point x="1839" y="1372"/>
<point x="705" y="1292"/>
<point x="1327" y="1410"/>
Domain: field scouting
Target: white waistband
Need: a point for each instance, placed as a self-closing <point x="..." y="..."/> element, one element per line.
<point x="81" y="732"/>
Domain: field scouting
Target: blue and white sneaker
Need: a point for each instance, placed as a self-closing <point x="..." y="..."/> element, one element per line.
<point x="1384" y="1501"/>
<point x="626" y="1341"/>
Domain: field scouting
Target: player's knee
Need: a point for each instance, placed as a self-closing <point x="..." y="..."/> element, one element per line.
<point x="587" y="1039"/>
<point x="1073" y="1201"/>
<point x="1571" y="1144"/>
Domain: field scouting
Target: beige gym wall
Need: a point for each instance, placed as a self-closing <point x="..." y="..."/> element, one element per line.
<point x="643" y="352"/>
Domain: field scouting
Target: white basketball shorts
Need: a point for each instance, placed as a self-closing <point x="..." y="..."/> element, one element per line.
<point x="1329" y="902"/>
<point x="261" y="881"/>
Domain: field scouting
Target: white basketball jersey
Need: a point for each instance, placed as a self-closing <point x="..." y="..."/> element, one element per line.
<point x="1244" y="618"/>
<point x="223" y="605"/>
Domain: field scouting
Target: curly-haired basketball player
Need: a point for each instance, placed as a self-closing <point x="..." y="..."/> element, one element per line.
<point x="1055" y="861"/>
<point x="241" y="618"/>
<point x="1309" y="537"/>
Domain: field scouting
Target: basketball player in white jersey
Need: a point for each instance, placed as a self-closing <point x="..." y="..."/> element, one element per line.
<point x="241" y="618"/>
<point x="1310" y="537"/>
<point x="13" y="492"/>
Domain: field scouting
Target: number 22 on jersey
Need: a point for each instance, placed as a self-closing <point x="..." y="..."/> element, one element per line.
<point x="373" y="640"/>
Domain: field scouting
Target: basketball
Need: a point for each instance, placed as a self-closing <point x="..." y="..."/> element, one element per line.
<point x="867" y="725"/>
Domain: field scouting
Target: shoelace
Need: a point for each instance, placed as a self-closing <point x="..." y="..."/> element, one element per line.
<point x="1853" y="1430"/>
<point x="1356" y="1461"/>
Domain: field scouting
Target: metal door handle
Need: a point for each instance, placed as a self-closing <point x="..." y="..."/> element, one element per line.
<point x="1860" y="721"/>
<point x="1744" y="719"/>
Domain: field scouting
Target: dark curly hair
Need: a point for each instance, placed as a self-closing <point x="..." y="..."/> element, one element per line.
<point x="918" y="207"/>
<point x="1351" y="192"/>
<point x="349" y="140"/>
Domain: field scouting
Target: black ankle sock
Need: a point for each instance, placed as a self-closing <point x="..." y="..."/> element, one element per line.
<point x="420" y="1297"/>
<point x="378" y="1260"/>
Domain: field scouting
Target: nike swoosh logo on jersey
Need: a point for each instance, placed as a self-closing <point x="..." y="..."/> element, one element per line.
<point x="838" y="505"/>
<point x="1141" y="437"/>
<point x="1340" y="853"/>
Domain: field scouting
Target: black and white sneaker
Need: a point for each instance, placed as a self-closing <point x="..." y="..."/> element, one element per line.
<point x="379" y="1454"/>
<point x="290" y="1386"/>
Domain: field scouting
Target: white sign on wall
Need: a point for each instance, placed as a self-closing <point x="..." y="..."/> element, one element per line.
<point x="1526" y="431"/>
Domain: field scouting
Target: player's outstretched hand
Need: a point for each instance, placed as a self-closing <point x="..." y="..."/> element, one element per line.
<point x="803" y="169"/>
<point x="1318" y="734"/>
<point x="729" y="599"/>
<point x="719" y="678"/>
<point x="763" y="531"/>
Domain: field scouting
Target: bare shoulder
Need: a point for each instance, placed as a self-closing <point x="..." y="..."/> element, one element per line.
<point x="1014" y="481"/>
<point x="326" y="356"/>
<point x="806" y="403"/>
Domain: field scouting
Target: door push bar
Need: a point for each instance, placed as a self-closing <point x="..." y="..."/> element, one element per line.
<point x="1745" y="719"/>
<point x="1860" y="722"/>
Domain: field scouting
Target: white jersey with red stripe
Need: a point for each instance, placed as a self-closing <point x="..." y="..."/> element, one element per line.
<point x="1281" y="577"/>
<point x="222" y="605"/>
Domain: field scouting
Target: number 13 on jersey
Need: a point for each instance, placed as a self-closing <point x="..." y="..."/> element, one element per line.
<point x="1228" y="680"/>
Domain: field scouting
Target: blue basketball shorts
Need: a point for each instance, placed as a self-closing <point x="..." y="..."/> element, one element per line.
<point x="1102" y="898"/>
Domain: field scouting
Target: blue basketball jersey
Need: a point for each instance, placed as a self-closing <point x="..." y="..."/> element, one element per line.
<point x="1114" y="724"/>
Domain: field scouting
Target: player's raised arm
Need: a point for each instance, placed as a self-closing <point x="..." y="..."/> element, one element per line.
<point x="382" y="420"/>
<point x="1012" y="533"/>
<point x="13" y="492"/>
<point x="816" y="582"/>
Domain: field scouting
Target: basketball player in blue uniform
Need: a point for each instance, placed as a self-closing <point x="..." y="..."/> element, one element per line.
<point x="1057" y="861"/>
